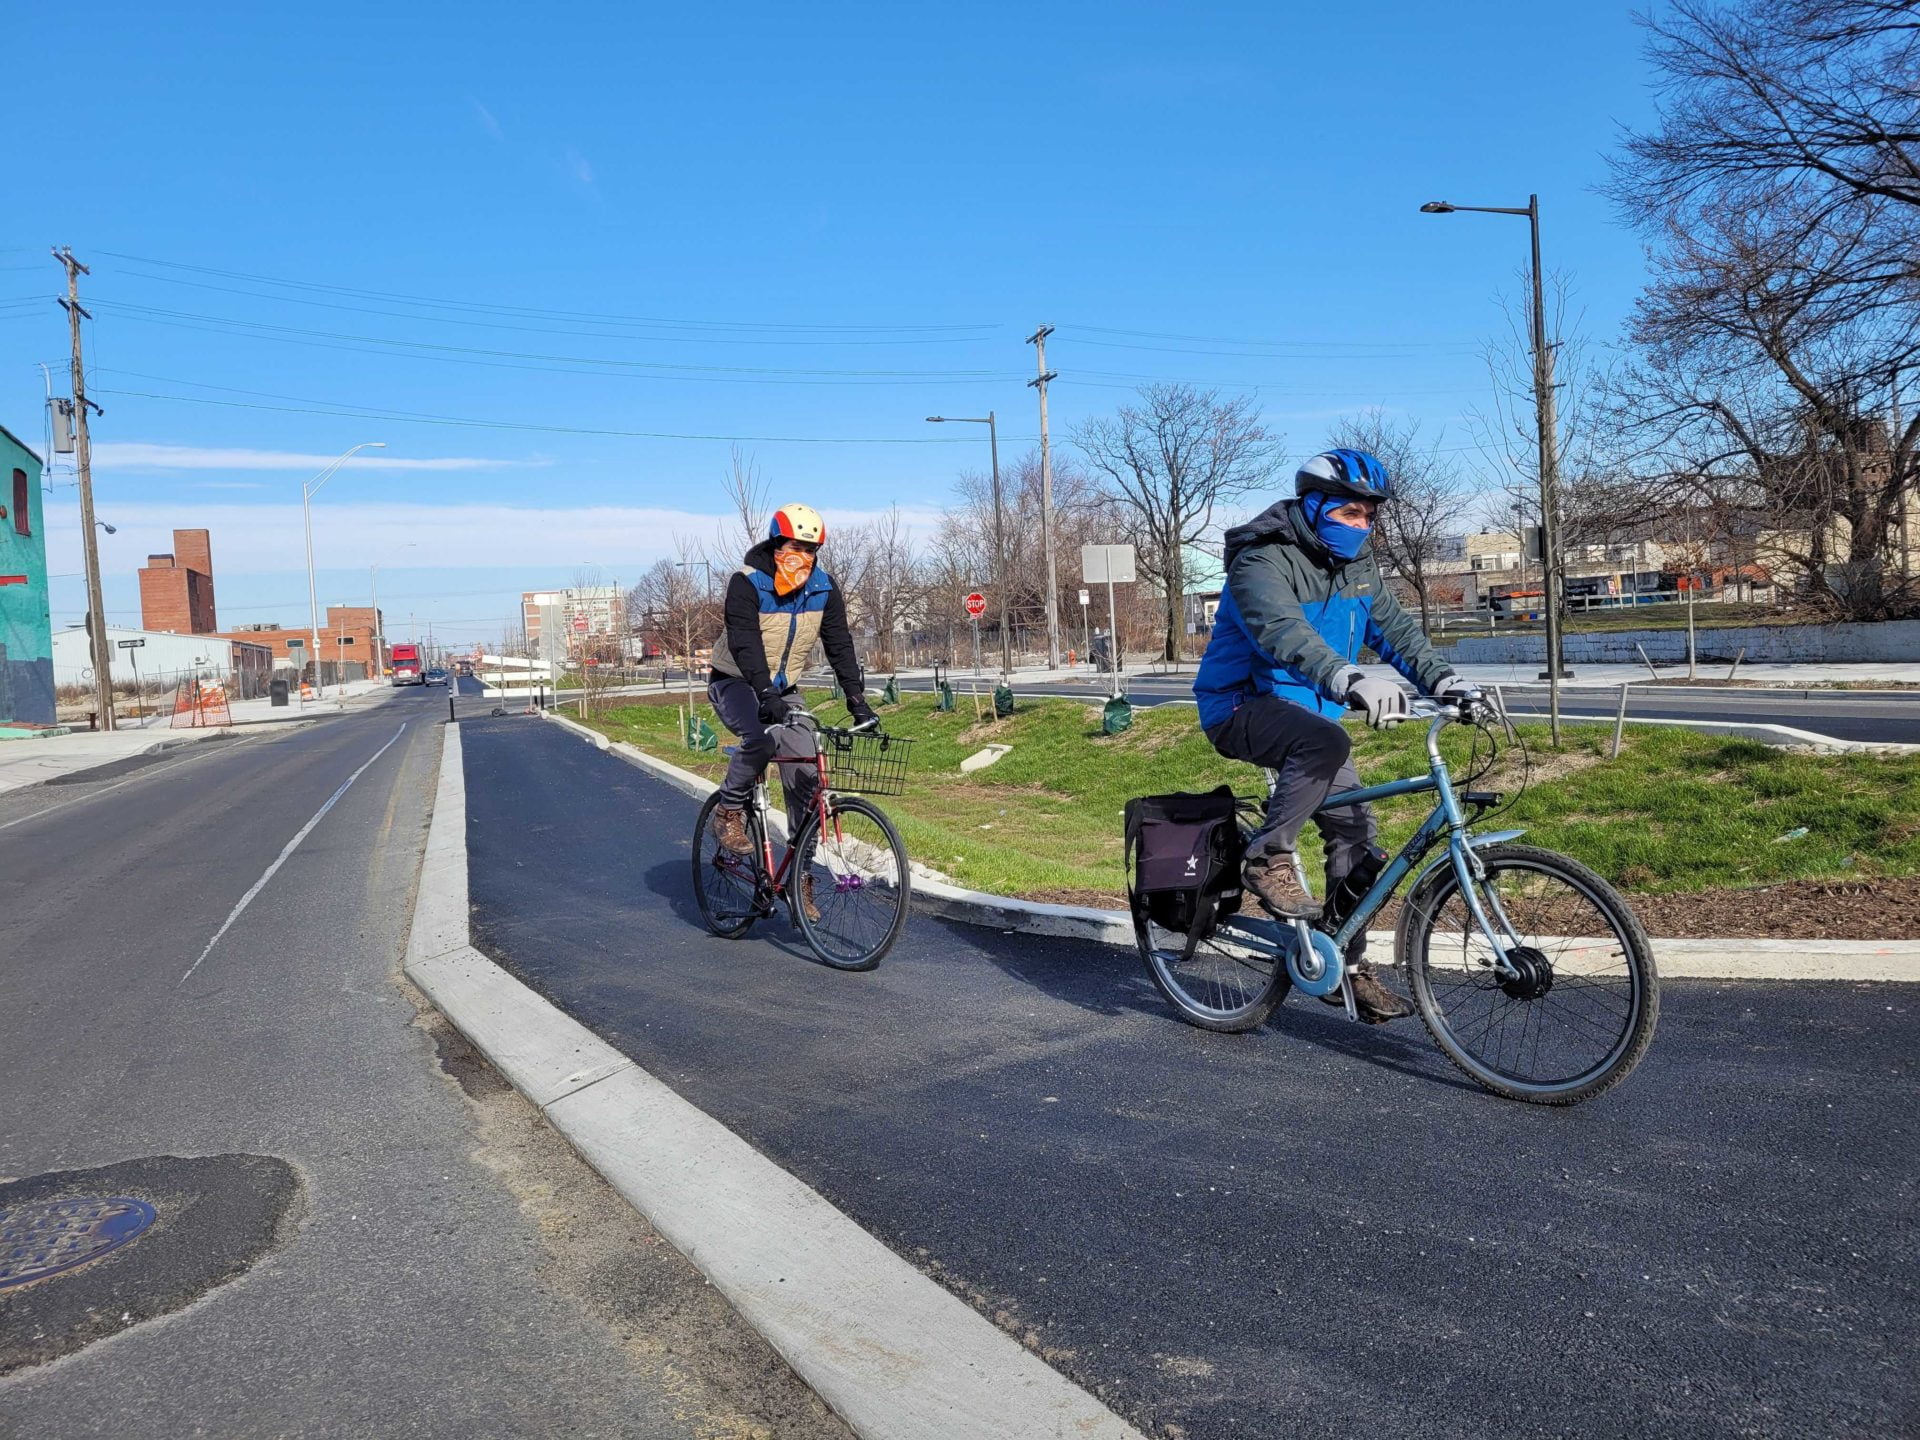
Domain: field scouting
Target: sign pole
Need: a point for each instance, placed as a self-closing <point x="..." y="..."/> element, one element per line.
<point x="1113" y="633"/>
<point x="138" y="702"/>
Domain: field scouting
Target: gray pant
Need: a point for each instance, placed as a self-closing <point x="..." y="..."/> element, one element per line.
<point x="739" y="710"/>
<point x="1314" y="758"/>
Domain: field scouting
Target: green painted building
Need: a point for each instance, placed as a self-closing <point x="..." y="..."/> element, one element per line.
<point x="26" y="621"/>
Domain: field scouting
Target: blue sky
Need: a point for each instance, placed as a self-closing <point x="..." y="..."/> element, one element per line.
<point x="808" y="226"/>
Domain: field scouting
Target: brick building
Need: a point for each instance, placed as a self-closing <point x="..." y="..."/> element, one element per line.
<point x="176" y="591"/>
<point x="347" y="635"/>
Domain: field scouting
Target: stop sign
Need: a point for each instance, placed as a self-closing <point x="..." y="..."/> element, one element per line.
<point x="976" y="604"/>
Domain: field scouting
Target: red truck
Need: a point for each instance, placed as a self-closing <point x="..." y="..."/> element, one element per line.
<point x="405" y="660"/>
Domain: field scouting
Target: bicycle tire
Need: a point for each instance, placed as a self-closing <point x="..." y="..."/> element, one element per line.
<point x="853" y="929"/>
<point x="1445" y="1021"/>
<point x="717" y="884"/>
<point x="1216" y="989"/>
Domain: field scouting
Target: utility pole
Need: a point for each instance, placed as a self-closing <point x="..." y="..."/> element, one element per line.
<point x="83" y="457"/>
<point x="1039" y="341"/>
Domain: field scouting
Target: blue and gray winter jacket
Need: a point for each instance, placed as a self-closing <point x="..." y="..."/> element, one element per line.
<point x="1294" y="618"/>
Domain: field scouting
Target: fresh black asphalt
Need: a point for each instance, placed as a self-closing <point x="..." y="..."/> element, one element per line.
<point x="408" y="1292"/>
<point x="1316" y="1229"/>
<point x="1882" y="718"/>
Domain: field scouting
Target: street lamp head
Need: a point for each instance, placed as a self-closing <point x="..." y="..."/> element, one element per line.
<point x="936" y="419"/>
<point x="106" y="527"/>
<point x="1436" y="207"/>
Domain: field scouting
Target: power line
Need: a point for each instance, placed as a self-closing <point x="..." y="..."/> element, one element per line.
<point x="536" y="313"/>
<point x="1292" y="344"/>
<point x="575" y="330"/>
<point x="310" y="407"/>
<point x="511" y="359"/>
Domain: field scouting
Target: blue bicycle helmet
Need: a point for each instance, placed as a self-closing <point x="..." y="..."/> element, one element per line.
<point x="1351" y="473"/>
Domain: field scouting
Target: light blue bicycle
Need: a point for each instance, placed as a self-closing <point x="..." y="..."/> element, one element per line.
<point x="1529" y="970"/>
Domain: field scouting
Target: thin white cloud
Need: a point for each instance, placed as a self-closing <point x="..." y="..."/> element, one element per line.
<point x="129" y="455"/>
<point x="578" y="167"/>
<point x="227" y="485"/>
<point x="488" y="123"/>
<point x="266" y="539"/>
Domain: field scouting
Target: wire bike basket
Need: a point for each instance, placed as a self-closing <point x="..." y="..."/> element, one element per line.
<point x="864" y="763"/>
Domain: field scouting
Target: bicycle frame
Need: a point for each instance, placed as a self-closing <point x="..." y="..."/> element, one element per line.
<point x="1447" y="818"/>
<point x="777" y="875"/>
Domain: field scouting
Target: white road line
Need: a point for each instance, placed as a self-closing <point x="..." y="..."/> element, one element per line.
<point x="291" y="845"/>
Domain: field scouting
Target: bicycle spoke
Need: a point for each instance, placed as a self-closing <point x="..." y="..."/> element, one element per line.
<point x="1561" y="1011"/>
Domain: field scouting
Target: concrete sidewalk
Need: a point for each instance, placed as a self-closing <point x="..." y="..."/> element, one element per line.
<point x="36" y="761"/>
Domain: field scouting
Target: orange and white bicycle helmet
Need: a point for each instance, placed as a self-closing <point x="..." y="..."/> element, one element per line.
<point x="798" y="522"/>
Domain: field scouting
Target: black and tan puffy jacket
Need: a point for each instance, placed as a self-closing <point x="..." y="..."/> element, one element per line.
<point x="768" y="638"/>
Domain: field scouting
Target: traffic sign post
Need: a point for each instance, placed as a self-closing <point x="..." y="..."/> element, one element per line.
<point x="131" y="646"/>
<point x="1113" y="564"/>
<point x="1086" y="623"/>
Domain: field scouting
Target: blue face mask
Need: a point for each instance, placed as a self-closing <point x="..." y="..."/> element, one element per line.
<point x="1345" y="541"/>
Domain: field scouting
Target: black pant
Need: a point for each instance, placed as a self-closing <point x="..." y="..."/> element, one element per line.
<point x="1313" y="756"/>
<point x="739" y="710"/>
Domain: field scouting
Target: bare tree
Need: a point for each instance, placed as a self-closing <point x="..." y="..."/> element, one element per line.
<point x="1821" y="96"/>
<point x="1169" y="461"/>
<point x="672" y="608"/>
<point x="1429" y="493"/>
<point x="1781" y="192"/>
<point x="747" y="489"/>
<point x="875" y="566"/>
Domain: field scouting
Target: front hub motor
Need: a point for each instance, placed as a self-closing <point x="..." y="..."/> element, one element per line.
<point x="1533" y="973"/>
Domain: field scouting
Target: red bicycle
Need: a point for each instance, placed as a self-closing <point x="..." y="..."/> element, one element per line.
<point x="843" y="877"/>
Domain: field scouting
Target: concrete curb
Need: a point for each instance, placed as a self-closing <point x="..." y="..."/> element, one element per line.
<point x="1706" y="959"/>
<point x="895" y="1355"/>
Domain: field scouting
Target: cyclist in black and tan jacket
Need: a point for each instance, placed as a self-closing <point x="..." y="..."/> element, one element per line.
<point x="779" y="602"/>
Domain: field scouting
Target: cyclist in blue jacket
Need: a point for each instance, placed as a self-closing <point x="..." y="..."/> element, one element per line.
<point x="1303" y="596"/>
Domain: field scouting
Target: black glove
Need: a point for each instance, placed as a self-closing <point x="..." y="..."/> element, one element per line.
<point x="773" y="708"/>
<point x="861" y="711"/>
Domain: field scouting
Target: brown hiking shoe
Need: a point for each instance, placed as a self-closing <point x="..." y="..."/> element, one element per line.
<point x="806" y="899"/>
<point x="730" y="829"/>
<point x="1375" y="1004"/>
<point x="1276" y="884"/>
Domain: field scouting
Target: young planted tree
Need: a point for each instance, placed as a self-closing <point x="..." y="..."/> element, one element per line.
<point x="1429" y="493"/>
<point x="1168" y="462"/>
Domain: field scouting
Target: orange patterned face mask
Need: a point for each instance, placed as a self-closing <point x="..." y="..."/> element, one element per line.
<point x="791" y="567"/>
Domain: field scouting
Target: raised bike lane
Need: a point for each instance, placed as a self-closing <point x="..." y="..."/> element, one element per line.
<point x="1314" y="1229"/>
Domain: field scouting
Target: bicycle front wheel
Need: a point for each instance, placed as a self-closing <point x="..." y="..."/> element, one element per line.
<point x="1578" y="1014"/>
<point x="726" y="882"/>
<point x="850" y="885"/>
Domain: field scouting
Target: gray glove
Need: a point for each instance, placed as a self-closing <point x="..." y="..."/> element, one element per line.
<point x="1384" y="701"/>
<point x="1456" y="690"/>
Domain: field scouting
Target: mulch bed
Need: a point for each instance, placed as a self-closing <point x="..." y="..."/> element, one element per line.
<point x="1879" y="909"/>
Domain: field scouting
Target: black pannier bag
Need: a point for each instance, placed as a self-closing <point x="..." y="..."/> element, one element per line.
<point x="1183" y="856"/>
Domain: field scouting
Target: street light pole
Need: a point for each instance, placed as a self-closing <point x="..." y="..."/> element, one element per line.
<point x="999" y="528"/>
<point x="307" y="491"/>
<point x="1547" y="424"/>
<point x="1039" y="341"/>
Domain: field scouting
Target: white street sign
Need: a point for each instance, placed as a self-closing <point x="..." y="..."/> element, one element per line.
<point x="1106" y="564"/>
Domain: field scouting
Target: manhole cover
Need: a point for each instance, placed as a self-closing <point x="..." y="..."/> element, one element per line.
<point x="49" y="1236"/>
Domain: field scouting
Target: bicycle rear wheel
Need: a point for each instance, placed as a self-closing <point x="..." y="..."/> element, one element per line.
<point x="1581" y="1012"/>
<point x="850" y="885"/>
<point x="728" y="884"/>
<point x="1226" y="985"/>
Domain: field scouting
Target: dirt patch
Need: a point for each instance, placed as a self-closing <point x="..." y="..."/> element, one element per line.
<point x="1883" y="909"/>
<point x="673" y="1325"/>
<point x="1797" y="910"/>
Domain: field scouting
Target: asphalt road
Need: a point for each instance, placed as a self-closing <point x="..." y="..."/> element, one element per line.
<point x="1317" y="1229"/>
<point x="1887" y="718"/>
<point x="448" y="1267"/>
